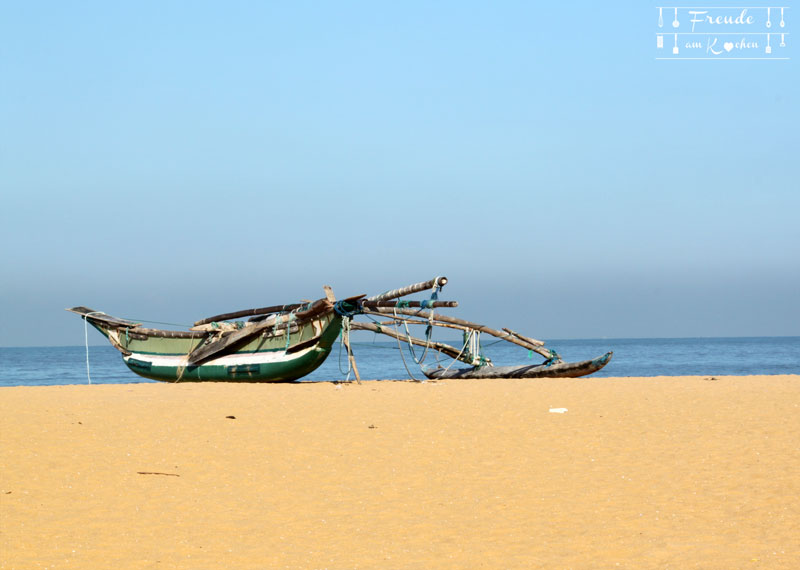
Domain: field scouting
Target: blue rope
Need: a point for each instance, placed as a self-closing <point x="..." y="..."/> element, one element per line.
<point x="425" y="304"/>
<point x="554" y="358"/>
<point x="345" y="309"/>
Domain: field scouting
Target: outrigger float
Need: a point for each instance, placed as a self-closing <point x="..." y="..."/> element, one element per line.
<point x="283" y="343"/>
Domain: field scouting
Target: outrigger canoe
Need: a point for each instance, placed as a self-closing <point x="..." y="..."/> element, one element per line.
<point x="284" y="343"/>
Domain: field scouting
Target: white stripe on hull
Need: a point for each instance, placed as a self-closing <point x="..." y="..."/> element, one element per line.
<point x="227" y="360"/>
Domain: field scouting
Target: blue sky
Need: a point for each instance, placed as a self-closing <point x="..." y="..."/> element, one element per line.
<point x="168" y="161"/>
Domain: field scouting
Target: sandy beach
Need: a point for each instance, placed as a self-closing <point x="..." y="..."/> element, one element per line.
<point x="687" y="472"/>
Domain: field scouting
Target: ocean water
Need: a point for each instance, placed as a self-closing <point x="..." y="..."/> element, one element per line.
<point x="379" y="359"/>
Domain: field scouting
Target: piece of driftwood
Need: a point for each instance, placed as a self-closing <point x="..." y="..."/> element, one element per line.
<point x="230" y="341"/>
<point x="415" y="288"/>
<point x="473" y="326"/>
<point x="556" y="370"/>
<point x="445" y="349"/>
<point x="249" y="313"/>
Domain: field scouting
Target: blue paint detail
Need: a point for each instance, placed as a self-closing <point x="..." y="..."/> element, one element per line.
<point x="137" y="365"/>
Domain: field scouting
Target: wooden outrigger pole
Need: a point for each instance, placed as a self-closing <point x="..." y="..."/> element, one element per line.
<point x="529" y="343"/>
<point x="438" y="282"/>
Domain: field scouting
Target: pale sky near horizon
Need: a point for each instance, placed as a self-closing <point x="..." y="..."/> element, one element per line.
<point x="168" y="161"/>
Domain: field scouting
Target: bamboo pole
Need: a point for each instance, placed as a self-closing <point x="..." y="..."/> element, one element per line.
<point x="415" y="288"/>
<point x="428" y="304"/>
<point x="415" y="322"/>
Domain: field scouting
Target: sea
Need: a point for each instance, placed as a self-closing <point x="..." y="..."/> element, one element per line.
<point x="382" y="360"/>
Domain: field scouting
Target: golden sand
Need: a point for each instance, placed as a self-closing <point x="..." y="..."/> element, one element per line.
<point x="638" y="473"/>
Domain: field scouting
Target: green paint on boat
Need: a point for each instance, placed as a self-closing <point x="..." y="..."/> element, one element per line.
<point x="285" y="360"/>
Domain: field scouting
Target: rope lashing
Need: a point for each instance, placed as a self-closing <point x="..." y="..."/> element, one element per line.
<point x="86" y="338"/>
<point x="345" y="309"/>
<point x="424" y="304"/>
<point x="429" y="304"/>
<point x="289" y="329"/>
<point x="463" y="348"/>
<point x="344" y="340"/>
<point x="411" y="350"/>
<point x="554" y="358"/>
<point x="435" y="291"/>
<point x="400" y="349"/>
<point x="279" y="320"/>
<point x="473" y="350"/>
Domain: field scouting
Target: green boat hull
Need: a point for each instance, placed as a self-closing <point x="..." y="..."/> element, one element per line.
<point x="271" y="357"/>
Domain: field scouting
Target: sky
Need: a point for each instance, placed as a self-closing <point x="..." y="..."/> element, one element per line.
<point x="172" y="160"/>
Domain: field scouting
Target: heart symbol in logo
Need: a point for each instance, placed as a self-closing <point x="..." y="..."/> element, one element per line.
<point x="728" y="46"/>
